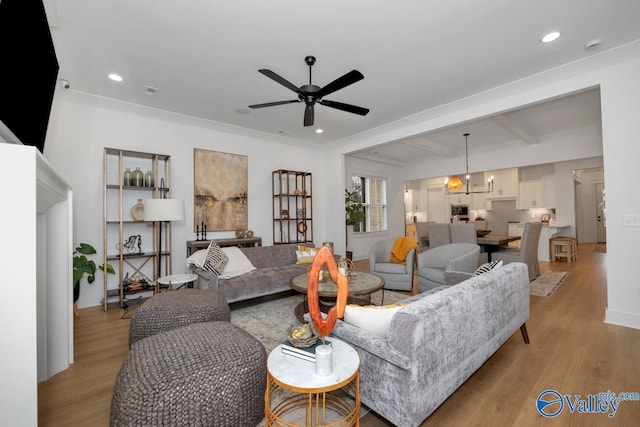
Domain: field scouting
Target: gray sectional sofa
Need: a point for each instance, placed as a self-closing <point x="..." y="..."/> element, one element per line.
<point x="276" y="265"/>
<point x="437" y="341"/>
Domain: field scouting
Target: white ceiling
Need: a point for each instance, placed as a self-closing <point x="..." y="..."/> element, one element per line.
<point x="203" y="57"/>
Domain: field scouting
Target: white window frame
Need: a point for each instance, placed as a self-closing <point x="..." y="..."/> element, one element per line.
<point x="365" y="191"/>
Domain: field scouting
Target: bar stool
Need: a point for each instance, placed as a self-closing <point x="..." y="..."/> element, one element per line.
<point x="564" y="246"/>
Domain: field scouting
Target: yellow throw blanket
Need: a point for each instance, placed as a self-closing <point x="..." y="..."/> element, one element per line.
<point x="401" y="248"/>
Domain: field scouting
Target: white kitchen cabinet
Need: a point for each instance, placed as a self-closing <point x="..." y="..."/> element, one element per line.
<point x="516" y="229"/>
<point x="505" y="183"/>
<point x="479" y="201"/>
<point x="531" y="195"/>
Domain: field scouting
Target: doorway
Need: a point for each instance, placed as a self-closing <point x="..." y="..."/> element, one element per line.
<point x="590" y="205"/>
<point x="601" y="225"/>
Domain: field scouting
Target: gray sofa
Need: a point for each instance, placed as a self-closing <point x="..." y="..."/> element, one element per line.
<point x="437" y="341"/>
<point x="276" y="265"/>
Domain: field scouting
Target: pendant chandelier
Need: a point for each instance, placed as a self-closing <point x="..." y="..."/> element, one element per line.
<point x="454" y="185"/>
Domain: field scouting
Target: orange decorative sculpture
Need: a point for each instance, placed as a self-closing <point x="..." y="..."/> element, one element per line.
<point x="325" y="326"/>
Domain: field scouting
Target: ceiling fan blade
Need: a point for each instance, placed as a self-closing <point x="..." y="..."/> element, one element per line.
<point x="350" y="78"/>
<point x="308" y="115"/>
<point x="284" y="82"/>
<point x="271" y="104"/>
<point x="345" y="107"/>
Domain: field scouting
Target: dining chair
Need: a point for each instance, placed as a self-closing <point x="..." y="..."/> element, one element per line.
<point x="438" y="235"/>
<point x="422" y="233"/>
<point x="498" y="227"/>
<point x="463" y="233"/>
<point x="528" y="251"/>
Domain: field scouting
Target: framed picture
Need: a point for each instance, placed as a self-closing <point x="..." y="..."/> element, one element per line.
<point x="219" y="190"/>
<point x="545" y="217"/>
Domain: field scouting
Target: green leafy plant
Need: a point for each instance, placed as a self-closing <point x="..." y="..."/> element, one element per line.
<point x="83" y="265"/>
<point x="353" y="206"/>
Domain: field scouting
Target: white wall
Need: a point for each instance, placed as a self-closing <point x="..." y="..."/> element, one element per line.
<point x="82" y="126"/>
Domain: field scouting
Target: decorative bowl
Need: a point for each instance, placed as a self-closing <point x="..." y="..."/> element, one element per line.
<point x="302" y="336"/>
<point x="482" y="233"/>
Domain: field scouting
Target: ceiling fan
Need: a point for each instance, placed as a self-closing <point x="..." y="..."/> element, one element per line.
<point x="310" y="93"/>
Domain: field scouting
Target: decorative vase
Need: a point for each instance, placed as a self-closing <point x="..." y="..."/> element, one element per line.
<point x="148" y="179"/>
<point x="126" y="179"/>
<point x="137" y="178"/>
<point x="137" y="211"/>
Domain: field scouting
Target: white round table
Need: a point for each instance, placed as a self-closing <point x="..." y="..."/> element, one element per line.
<point x="311" y="391"/>
<point x="176" y="279"/>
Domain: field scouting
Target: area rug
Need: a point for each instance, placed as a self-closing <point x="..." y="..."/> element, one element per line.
<point x="268" y="322"/>
<point x="547" y="283"/>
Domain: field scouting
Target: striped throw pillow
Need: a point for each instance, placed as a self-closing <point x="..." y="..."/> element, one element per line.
<point x="216" y="259"/>
<point x="485" y="268"/>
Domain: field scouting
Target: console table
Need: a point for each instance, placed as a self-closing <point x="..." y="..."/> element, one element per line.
<point x="194" y="245"/>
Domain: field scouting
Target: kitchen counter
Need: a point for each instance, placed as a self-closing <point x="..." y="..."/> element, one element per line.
<point x="549" y="231"/>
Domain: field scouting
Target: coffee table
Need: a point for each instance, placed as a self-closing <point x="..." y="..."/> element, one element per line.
<point x="359" y="284"/>
<point x="311" y="392"/>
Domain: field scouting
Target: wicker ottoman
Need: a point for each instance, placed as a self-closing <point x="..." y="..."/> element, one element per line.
<point x="205" y="374"/>
<point x="171" y="310"/>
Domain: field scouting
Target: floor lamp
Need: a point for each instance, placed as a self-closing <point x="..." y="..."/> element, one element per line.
<point x="162" y="210"/>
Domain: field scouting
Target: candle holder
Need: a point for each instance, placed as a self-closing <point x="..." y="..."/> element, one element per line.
<point x="324" y="359"/>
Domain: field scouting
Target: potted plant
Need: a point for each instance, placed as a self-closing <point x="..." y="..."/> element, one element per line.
<point x="354" y="213"/>
<point x="83" y="265"/>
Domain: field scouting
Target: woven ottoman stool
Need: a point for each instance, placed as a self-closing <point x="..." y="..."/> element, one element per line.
<point x="205" y="374"/>
<point x="171" y="310"/>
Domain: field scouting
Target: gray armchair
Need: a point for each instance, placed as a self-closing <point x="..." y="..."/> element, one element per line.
<point x="396" y="276"/>
<point x="433" y="264"/>
<point x="528" y="252"/>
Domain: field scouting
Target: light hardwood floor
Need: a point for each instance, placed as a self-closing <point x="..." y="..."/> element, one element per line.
<point x="571" y="351"/>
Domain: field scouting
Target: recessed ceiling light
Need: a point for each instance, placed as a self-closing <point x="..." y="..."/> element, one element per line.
<point x="319" y="131"/>
<point x="115" y="77"/>
<point x="550" y="37"/>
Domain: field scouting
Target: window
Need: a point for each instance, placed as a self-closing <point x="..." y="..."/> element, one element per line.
<point x="373" y="195"/>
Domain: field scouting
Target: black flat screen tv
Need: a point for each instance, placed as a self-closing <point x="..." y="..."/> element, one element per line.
<point x="28" y="72"/>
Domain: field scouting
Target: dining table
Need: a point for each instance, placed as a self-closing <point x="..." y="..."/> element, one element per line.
<point x="494" y="243"/>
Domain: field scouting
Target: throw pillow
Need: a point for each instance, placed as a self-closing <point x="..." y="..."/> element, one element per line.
<point x="216" y="259"/>
<point x="485" y="268"/>
<point x="197" y="258"/>
<point x="374" y="319"/>
<point x="305" y="254"/>
<point x="237" y="265"/>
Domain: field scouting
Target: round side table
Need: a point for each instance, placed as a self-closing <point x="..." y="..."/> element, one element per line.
<point x="179" y="280"/>
<point x="314" y="395"/>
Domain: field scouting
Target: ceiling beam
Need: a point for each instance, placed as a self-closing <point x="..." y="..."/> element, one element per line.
<point x="424" y="143"/>
<point x="376" y="158"/>
<point x="516" y="129"/>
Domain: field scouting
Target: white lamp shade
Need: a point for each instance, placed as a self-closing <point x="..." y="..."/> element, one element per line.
<point x="163" y="210"/>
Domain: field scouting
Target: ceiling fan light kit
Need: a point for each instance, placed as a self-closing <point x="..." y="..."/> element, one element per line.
<point x="454" y="183"/>
<point x="311" y="94"/>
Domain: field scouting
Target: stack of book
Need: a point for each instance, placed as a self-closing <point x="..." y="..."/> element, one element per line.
<point x="305" y="353"/>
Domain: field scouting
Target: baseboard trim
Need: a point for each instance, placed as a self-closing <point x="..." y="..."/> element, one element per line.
<point x="620" y="318"/>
